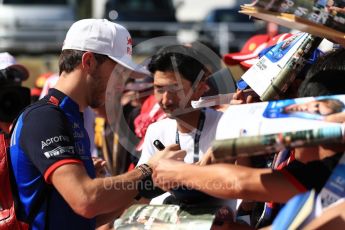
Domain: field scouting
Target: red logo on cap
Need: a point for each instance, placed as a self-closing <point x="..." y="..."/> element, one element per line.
<point x="129" y="50"/>
<point x="129" y="45"/>
<point x="129" y="41"/>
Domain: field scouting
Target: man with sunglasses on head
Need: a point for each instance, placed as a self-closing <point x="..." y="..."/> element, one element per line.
<point x="13" y="97"/>
<point x="50" y="149"/>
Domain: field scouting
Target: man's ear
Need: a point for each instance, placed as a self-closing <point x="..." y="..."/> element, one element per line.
<point x="204" y="87"/>
<point x="201" y="89"/>
<point x="88" y="62"/>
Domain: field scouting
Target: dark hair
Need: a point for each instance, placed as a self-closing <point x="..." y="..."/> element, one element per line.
<point x="326" y="76"/>
<point x="70" y="59"/>
<point x="186" y="60"/>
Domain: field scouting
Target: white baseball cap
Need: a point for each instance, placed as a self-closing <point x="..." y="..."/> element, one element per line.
<point x="8" y="61"/>
<point x="103" y="37"/>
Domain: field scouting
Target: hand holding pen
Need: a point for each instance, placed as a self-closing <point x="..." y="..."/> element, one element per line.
<point x="170" y="152"/>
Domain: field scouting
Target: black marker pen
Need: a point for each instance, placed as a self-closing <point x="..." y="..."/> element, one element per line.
<point x="158" y="144"/>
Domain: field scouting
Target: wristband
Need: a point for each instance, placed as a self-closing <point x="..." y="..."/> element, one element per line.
<point x="145" y="169"/>
<point x="146" y="172"/>
<point x="145" y="186"/>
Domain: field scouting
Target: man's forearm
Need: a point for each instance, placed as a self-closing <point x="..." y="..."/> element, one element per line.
<point x="113" y="193"/>
<point x="231" y="181"/>
<point x="92" y="197"/>
<point x="213" y="179"/>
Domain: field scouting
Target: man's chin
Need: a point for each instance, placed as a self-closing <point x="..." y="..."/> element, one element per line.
<point x="169" y="115"/>
<point x="172" y="114"/>
<point x="177" y="113"/>
<point x="97" y="105"/>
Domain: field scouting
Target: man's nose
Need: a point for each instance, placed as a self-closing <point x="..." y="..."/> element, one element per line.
<point x="167" y="98"/>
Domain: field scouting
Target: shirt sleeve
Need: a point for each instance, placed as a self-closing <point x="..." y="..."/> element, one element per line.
<point x="47" y="139"/>
<point x="312" y="175"/>
<point x="148" y="148"/>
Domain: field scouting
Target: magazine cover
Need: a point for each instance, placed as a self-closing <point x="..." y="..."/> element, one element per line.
<point x="298" y="23"/>
<point x="267" y="127"/>
<point x="319" y="11"/>
<point x="227" y="149"/>
<point x="336" y="20"/>
<point x="300" y="8"/>
<point x="274" y="117"/>
<point x="272" y="5"/>
<point x="297" y="7"/>
<point x="166" y="217"/>
<point x="286" y="76"/>
<point x="261" y="75"/>
<point x="313" y="11"/>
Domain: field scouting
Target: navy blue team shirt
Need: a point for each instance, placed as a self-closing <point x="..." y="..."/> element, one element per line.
<point x="47" y="135"/>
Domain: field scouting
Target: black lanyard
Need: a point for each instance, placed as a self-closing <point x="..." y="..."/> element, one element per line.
<point x="200" y="126"/>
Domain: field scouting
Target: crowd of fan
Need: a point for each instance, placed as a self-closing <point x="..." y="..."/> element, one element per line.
<point x="156" y="107"/>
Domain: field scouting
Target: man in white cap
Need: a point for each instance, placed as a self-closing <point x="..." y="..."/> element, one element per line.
<point x="50" y="149"/>
<point x="13" y="97"/>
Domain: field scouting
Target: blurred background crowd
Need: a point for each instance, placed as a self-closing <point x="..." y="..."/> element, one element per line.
<point x="34" y="31"/>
